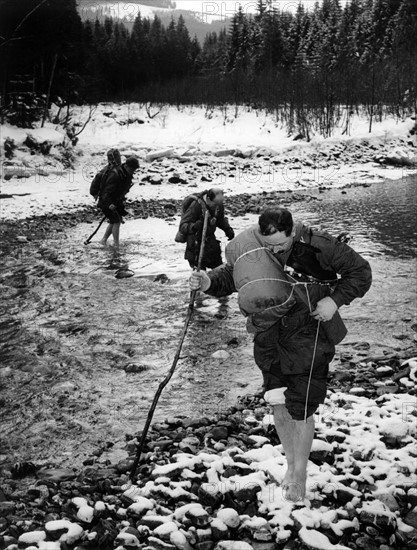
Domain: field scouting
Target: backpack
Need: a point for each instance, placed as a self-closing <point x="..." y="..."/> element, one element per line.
<point x="97" y="183"/>
<point x="186" y="203"/>
<point x="115" y="161"/>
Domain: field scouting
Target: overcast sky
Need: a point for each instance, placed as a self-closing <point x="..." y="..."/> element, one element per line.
<point x="227" y="8"/>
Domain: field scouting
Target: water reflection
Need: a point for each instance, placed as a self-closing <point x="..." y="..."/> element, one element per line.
<point x="382" y="215"/>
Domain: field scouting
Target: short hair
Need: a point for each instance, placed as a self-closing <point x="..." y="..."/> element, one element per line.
<point x="278" y="218"/>
<point x="132" y="162"/>
<point x="213" y="192"/>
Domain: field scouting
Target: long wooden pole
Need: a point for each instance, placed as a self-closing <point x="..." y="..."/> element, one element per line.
<point x="176" y="357"/>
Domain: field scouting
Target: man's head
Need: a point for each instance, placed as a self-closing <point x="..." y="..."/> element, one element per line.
<point x="276" y="227"/>
<point x="215" y="195"/>
<point x="131" y="165"/>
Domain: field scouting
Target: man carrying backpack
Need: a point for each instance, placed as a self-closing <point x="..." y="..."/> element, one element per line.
<point x="191" y="226"/>
<point x="114" y="187"/>
<point x="295" y="335"/>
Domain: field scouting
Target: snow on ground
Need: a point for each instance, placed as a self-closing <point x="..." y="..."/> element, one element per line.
<point x="216" y="139"/>
<point x="214" y="127"/>
<point x="360" y="484"/>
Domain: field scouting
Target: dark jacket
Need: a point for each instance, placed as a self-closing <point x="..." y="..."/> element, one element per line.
<point x="192" y="224"/>
<point x="114" y="188"/>
<point x="355" y="272"/>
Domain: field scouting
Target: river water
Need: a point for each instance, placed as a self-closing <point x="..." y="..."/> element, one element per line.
<point x="81" y="326"/>
<point x="381" y="219"/>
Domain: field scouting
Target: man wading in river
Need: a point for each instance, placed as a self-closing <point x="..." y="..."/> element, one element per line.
<point x="191" y="226"/>
<point x="286" y="275"/>
<point x="113" y="190"/>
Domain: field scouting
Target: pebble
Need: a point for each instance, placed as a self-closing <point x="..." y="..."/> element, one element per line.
<point x="229" y="517"/>
<point x="218" y="433"/>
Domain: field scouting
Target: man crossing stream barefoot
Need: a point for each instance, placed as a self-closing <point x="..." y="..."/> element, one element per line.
<point x="111" y="198"/>
<point x="291" y="282"/>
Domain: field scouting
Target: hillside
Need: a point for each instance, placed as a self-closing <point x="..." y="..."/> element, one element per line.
<point x="128" y="11"/>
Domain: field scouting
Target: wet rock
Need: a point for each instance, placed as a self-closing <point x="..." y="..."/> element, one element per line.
<point x="177" y="179"/>
<point x="322" y="452"/>
<point x="383" y="371"/>
<point x="22" y="469"/>
<point x="209" y="495"/>
<point x="135" y="368"/>
<point x="218" y="432"/>
<point x="378" y="518"/>
<point x="162" y="278"/>
<point x="247" y="493"/>
<point x="411" y="497"/>
<point x="124" y="273"/>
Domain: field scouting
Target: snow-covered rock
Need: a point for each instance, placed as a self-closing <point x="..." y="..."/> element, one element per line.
<point x="229" y="517"/>
<point x="317" y="541"/>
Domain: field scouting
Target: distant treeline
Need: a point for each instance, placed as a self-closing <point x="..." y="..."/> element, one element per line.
<point x="311" y="67"/>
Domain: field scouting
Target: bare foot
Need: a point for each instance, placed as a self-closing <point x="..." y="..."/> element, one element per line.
<point x="103" y="243"/>
<point x="293" y="487"/>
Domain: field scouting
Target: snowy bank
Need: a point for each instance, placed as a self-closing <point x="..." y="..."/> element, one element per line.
<point x="193" y="147"/>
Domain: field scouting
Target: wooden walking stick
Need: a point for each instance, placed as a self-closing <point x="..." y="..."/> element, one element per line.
<point x="176" y="357"/>
<point x="92" y="234"/>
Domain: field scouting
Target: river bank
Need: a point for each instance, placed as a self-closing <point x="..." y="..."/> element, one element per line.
<point x="184" y="150"/>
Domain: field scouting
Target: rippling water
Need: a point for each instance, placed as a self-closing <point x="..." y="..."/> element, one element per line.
<point x="382" y="215"/>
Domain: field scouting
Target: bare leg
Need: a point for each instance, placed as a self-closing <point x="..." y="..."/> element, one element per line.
<point x="107" y="234"/>
<point x="296" y="437"/>
<point x="116" y="234"/>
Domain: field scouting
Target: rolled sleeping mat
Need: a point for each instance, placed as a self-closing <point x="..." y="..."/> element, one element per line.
<point x="259" y="277"/>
